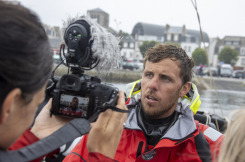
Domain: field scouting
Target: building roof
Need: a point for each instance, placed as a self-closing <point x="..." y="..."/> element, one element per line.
<point x="159" y="30"/>
<point x="128" y="38"/>
<point x="197" y="34"/>
<point x="148" y="29"/>
<point x="174" y="29"/>
<point x="97" y="10"/>
<point x="233" y="38"/>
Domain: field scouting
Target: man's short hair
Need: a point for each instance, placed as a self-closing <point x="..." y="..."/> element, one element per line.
<point x="75" y="98"/>
<point x="163" y="51"/>
<point x="25" y="54"/>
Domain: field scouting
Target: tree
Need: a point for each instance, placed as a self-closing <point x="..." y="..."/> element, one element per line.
<point x="199" y="56"/>
<point x="228" y="55"/>
<point x="122" y="33"/>
<point x="146" y="45"/>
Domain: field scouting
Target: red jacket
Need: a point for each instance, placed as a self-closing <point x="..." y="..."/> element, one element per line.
<point x="26" y="139"/>
<point x="29" y="138"/>
<point x="186" y="140"/>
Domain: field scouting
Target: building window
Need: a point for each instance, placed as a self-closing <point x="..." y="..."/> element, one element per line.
<point x="169" y="37"/>
<point x="228" y="42"/>
<point x="188" y="39"/>
<point x="193" y="39"/>
<point x="125" y="44"/>
<point x="125" y="54"/>
<point x="131" y="45"/>
<point x="176" y="37"/>
<point x="236" y="43"/>
<point x="189" y="49"/>
<point x="242" y="51"/>
<point x="131" y="54"/>
<point x="128" y="44"/>
<point x="182" y="38"/>
<point x="172" y="37"/>
<point x="243" y="61"/>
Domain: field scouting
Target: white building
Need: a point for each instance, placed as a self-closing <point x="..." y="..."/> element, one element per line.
<point x="55" y="38"/>
<point x="187" y="39"/>
<point x="128" y="48"/>
<point x="235" y="42"/>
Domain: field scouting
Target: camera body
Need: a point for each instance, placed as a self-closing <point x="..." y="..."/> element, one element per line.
<point x="77" y="94"/>
<point x="81" y="97"/>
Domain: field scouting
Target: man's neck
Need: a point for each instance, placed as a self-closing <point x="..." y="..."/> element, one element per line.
<point x="156" y="122"/>
<point x="154" y="129"/>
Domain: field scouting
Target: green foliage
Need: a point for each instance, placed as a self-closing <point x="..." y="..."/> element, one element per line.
<point x="122" y="33"/>
<point x="146" y="45"/>
<point x="228" y="55"/>
<point x="121" y="45"/>
<point x="199" y="56"/>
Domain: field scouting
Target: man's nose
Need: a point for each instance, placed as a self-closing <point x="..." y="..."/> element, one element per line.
<point x="153" y="83"/>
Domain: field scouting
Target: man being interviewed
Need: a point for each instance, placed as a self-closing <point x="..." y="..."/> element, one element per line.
<point x="158" y="127"/>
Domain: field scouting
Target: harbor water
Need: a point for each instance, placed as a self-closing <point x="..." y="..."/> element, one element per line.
<point x="220" y="102"/>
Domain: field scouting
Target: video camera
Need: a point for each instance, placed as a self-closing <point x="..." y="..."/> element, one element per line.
<point x="79" y="95"/>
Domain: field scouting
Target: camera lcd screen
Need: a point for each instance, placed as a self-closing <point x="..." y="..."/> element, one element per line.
<point x="74" y="106"/>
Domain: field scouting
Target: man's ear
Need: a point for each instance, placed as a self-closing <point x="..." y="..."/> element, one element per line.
<point x="10" y="101"/>
<point x="185" y="89"/>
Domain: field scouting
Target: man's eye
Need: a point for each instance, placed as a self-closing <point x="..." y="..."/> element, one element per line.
<point x="165" y="78"/>
<point x="148" y="75"/>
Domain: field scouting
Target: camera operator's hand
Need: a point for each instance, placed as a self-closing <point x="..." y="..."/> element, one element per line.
<point x="106" y="132"/>
<point x="45" y="125"/>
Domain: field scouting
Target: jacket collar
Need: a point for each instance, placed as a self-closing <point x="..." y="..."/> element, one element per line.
<point x="181" y="129"/>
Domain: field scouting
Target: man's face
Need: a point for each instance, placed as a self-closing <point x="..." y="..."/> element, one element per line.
<point x="161" y="87"/>
<point x="74" y="103"/>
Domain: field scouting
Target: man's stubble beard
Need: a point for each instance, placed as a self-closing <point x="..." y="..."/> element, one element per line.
<point x="160" y="112"/>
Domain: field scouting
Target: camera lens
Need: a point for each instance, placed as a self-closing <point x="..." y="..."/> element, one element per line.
<point x="70" y="81"/>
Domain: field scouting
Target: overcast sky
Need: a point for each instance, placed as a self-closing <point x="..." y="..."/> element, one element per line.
<point x="218" y="17"/>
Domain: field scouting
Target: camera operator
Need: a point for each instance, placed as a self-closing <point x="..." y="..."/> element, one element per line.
<point x="25" y="66"/>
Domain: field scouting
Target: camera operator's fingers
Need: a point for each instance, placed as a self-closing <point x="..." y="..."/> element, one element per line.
<point x="106" y="132"/>
<point x="45" y="125"/>
<point x="117" y="120"/>
<point x="121" y="101"/>
<point x="98" y="135"/>
<point x="121" y="105"/>
<point x="103" y="119"/>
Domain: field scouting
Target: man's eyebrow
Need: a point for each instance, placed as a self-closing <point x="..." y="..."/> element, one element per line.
<point x="148" y="71"/>
<point x="165" y="75"/>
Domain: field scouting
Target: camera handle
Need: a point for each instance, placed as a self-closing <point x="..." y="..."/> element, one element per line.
<point x="72" y="130"/>
<point x="101" y="109"/>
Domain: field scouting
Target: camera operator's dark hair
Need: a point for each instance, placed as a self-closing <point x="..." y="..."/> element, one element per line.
<point x="163" y="51"/>
<point x="25" y="55"/>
